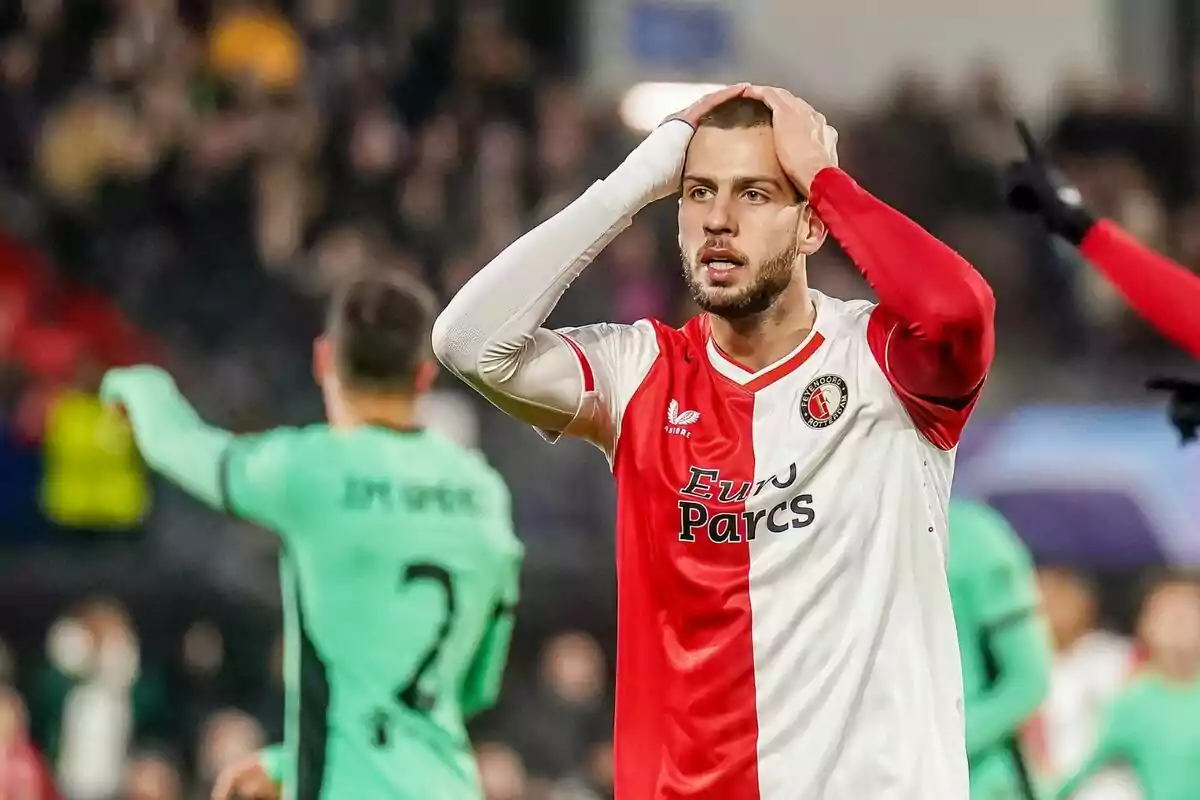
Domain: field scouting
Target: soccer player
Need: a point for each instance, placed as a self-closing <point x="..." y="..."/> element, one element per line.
<point x="783" y="461"/>
<point x="1162" y="292"/>
<point x="1005" y="646"/>
<point x="1154" y="725"/>
<point x="399" y="565"/>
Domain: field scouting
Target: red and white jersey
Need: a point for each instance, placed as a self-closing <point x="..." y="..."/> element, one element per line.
<point x="785" y="628"/>
<point x="1084" y="681"/>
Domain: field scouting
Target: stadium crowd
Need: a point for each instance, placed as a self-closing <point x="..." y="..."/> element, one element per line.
<point x="181" y="181"/>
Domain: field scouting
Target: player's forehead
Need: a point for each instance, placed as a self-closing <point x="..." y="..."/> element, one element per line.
<point x="720" y="154"/>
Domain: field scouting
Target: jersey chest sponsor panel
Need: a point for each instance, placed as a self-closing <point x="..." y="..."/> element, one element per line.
<point x="775" y="638"/>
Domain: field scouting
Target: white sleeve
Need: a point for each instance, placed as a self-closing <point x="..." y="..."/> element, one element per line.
<point x="490" y="334"/>
<point x="612" y="360"/>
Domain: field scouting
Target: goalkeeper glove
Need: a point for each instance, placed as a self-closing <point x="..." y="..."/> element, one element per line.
<point x="1184" y="409"/>
<point x="1036" y="188"/>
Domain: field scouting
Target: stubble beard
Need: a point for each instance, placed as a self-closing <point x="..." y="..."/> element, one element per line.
<point x="770" y="280"/>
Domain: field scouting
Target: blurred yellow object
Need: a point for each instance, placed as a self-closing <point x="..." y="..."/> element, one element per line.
<point x="259" y="44"/>
<point x="93" y="477"/>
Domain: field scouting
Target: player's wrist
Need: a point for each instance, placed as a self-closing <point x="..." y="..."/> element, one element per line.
<point x="653" y="170"/>
<point x="1073" y="223"/>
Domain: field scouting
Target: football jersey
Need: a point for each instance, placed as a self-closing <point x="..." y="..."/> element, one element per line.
<point x="784" y="620"/>
<point x="1084" y="682"/>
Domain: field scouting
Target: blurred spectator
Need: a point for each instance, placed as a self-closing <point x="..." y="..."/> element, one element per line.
<point x="94" y="696"/>
<point x="501" y="772"/>
<point x="1169" y="626"/>
<point x="149" y="776"/>
<point x="93" y="481"/>
<point x="1090" y="668"/>
<point x="553" y="725"/>
<point x="227" y="737"/>
<point x="252" y="42"/>
<point x="23" y="773"/>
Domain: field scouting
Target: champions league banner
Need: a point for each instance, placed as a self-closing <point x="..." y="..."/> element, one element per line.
<point x="1096" y="487"/>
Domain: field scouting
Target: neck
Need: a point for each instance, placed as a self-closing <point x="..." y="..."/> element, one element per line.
<point x="385" y="410"/>
<point x="760" y="340"/>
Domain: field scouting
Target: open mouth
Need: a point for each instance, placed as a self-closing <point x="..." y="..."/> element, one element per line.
<point x="720" y="259"/>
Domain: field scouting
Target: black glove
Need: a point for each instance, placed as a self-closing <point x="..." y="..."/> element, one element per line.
<point x="1184" y="409"/>
<point x="1035" y="187"/>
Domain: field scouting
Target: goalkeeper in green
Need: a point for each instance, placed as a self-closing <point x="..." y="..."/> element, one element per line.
<point x="1005" y="646"/>
<point x="399" y="564"/>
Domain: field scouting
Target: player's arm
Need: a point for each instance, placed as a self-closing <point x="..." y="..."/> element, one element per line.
<point x="932" y="332"/>
<point x="170" y="435"/>
<point x="491" y="335"/>
<point x="1014" y="633"/>
<point x="244" y="475"/>
<point x="481" y="687"/>
<point x="1162" y="292"/>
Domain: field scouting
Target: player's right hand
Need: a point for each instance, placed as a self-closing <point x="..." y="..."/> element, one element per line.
<point x="1033" y="186"/>
<point x="696" y="111"/>
<point x="245" y="780"/>
<point x="121" y="383"/>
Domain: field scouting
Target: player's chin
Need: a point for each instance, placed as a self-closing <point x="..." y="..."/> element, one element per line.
<point x="722" y="301"/>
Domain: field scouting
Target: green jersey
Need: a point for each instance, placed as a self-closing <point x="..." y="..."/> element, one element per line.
<point x="1154" y="728"/>
<point x="1005" y="649"/>
<point x="399" y="571"/>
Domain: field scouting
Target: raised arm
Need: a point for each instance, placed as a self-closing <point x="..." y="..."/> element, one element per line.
<point x="490" y="334"/>
<point x="932" y="333"/>
<point x="242" y="475"/>
<point x="1162" y="292"/>
<point x="172" y="438"/>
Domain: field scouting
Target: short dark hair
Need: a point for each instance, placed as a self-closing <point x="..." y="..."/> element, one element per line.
<point x="380" y="328"/>
<point x="738" y="112"/>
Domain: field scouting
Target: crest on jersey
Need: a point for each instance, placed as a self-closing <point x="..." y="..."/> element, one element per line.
<point x="824" y="400"/>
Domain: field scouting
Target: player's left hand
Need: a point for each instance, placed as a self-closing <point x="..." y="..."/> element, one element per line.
<point x="245" y="780"/>
<point x="805" y="143"/>
<point x="121" y="383"/>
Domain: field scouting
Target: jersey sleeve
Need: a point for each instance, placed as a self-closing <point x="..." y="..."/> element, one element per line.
<point x="933" y="332"/>
<point x="255" y="477"/>
<point x="611" y="360"/>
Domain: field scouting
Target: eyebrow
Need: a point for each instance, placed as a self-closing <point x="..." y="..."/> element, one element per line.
<point x="738" y="183"/>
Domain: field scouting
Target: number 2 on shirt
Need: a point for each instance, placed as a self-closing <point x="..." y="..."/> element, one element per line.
<point x="411" y="694"/>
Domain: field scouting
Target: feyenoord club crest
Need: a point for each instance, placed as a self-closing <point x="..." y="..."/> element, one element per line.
<point x="823" y="401"/>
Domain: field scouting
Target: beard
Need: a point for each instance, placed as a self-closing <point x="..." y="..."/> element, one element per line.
<point x="767" y="282"/>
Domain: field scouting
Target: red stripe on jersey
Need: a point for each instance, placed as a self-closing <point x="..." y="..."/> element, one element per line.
<point x="686" y="718"/>
<point x="589" y="377"/>
<point x="774" y="373"/>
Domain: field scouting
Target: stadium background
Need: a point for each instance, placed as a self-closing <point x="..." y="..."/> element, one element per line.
<point x="181" y="180"/>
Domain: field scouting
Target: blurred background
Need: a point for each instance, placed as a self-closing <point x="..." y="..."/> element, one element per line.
<point x="182" y="180"/>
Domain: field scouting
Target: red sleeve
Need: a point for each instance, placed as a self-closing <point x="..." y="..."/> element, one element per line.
<point x="1161" y="291"/>
<point x="932" y="333"/>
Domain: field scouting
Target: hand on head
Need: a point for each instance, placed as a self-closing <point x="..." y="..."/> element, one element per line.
<point x="804" y="141"/>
